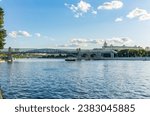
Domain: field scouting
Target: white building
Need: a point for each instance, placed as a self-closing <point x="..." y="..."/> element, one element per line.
<point x="111" y="47"/>
<point x="147" y="48"/>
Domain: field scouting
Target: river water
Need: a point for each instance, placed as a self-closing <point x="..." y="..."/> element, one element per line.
<point x="51" y="79"/>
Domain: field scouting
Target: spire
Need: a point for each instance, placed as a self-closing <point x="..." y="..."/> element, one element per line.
<point x="105" y="44"/>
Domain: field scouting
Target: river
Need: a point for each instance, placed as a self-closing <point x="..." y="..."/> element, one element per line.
<point x="58" y="79"/>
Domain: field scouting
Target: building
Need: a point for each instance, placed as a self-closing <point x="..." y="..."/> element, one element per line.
<point x="111" y="47"/>
<point x="147" y="48"/>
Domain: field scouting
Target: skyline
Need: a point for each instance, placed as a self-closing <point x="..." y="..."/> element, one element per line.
<point x="76" y="23"/>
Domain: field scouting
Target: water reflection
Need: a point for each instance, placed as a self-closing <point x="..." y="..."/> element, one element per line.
<point x="46" y="78"/>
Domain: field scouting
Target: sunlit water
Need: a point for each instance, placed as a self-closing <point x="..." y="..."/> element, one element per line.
<point x="48" y="79"/>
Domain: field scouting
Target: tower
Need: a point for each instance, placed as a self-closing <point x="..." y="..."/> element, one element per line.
<point x="105" y="45"/>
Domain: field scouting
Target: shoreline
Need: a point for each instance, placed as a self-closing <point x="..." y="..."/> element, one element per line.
<point x="104" y="58"/>
<point x="115" y="58"/>
<point x="1" y="61"/>
<point x="127" y="58"/>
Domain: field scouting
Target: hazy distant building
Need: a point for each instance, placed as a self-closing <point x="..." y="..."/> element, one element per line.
<point x="147" y="48"/>
<point x="111" y="47"/>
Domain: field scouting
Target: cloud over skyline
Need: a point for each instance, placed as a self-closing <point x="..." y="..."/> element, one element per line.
<point x="81" y="42"/>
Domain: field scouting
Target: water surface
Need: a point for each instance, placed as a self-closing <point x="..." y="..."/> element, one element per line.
<point x="49" y="79"/>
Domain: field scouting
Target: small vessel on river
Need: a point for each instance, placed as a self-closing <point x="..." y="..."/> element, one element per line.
<point x="71" y="59"/>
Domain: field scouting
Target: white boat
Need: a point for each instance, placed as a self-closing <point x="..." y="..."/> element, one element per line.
<point x="71" y="59"/>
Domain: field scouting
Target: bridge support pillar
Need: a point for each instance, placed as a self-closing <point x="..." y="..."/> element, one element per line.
<point x="79" y="54"/>
<point x="10" y="59"/>
<point x="112" y="55"/>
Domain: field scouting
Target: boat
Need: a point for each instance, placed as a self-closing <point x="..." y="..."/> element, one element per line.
<point x="9" y="61"/>
<point x="71" y="59"/>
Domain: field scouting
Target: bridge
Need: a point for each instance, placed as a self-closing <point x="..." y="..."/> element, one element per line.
<point x="80" y="54"/>
<point x="47" y="51"/>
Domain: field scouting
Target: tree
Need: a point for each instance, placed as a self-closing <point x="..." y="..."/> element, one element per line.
<point x="133" y="53"/>
<point x="2" y="30"/>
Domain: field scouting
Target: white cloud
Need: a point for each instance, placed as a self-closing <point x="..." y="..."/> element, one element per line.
<point x="74" y="45"/>
<point x="86" y="42"/>
<point x="114" y="40"/>
<point x="25" y="34"/>
<point x="84" y="6"/>
<point x="136" y="13"/>
<point x="120" y="41"/>
<point x="120" y="19"/>
<point x="115" y="4"/>
<point x="94" y="12"/>
<point x="16" y="34"/>
<point x="141" y="14"/>
<point x="81" y="8"/>
<point x="145" y="17"/>
<point x="37" y="34"/>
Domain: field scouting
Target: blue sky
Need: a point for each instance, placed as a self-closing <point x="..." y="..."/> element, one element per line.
<point x="76" y="23"/>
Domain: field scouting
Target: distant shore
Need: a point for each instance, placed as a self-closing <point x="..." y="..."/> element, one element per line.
<point x="2" y="61"/>
<point x="127" y="58"/>
<point x="103" y="58"/>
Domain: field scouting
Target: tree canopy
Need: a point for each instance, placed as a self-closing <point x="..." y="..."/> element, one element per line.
<point x="2" y="30"/>
<point x="133" y="53"/>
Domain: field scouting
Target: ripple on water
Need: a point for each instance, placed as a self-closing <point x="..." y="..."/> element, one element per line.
<point x="46" y="78"/>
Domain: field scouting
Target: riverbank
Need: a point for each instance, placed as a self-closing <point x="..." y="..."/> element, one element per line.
<point x="127" y="58"/>
<point x="1" y="61"/>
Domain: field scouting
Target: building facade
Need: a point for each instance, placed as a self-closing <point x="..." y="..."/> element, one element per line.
<point x="111" y="47"/>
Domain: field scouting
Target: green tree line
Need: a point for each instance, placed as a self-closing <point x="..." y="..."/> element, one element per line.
<point x="2" y="30"/>
<point x="133" y="53"/>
